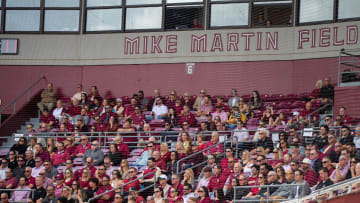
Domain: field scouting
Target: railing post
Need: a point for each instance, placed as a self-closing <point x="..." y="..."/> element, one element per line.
<point x="29" y="93"/>
<point x="268" y="194"/>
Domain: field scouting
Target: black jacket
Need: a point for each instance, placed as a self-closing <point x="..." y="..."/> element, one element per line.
<point x="267" y="143"/>
<point x="323" y="184"/>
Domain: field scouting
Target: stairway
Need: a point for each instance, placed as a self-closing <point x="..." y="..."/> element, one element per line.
<point x="23" y="130"/>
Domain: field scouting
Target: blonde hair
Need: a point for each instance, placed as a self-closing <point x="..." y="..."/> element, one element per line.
<point x="247" y="158"/>
<point x="182" y="149"/>
<point x="191" y="178"/>
<point x="260" y="149"/>
<point x="165" y="147"/>
<point x="52" y="147"/>
<point x="68" y="189"/>
<point x="71" y="172"/>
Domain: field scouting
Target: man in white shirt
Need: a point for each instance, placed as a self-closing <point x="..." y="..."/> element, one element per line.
<point x="241" y="136"/>
<point x="79" y="90"/>
<point x="38" y="167"/>
<point x="3" y="167"/>
<point x="234" y="101"/>
<point x="160" y="111"/>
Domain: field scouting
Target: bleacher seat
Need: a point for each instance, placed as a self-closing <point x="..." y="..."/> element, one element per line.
<point x="61" y="169"/>
<point x="136" y="152"/>
<point x="157" y="123"/>
<point x="252" y="122"/>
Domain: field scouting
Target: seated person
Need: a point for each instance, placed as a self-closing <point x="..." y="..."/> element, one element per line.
<point x="187" y="116"/>
<point x="159" y="111"/>
<point x="47" y="118"/>
<point x="48" y="98"/>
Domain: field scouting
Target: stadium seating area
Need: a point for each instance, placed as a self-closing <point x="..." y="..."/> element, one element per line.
<point x="180" y="148"/>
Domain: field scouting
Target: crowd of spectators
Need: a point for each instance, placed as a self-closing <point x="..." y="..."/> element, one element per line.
<point x="70" y="166"/>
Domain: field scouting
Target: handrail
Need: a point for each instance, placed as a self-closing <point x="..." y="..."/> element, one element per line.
<point x="122" y="186"/>
<point x="196" y="153"/>
<point x="18" y="97"/>
<point x="199" y="164"/>
<point x="317" y="110"/>
<point x="267" y="188"/>
<point x="17" y="189"/>
<point x="330" y="188"/>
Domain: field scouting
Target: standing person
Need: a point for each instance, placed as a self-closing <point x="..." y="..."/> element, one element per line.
<point x="255" y="100"/>
<point x="234" y="100"/>
<point x="327" y="92"/>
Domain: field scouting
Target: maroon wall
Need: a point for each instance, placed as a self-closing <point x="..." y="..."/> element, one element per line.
<point x="348" y="97"/>
<point x="266" y="76"/>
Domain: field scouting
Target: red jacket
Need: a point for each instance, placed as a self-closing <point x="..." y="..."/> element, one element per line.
<point x="161" y="164"/>
<point x="310" y="177"/>
<point x="124" y="150"/>
<point x="189" y="118"/>
<point x="135" y="184"/>
<point x="216" y="181"/>
<point x="224" y="162"/>
<point x="103" y="190"/>
<point x="59" y="158"/>
<point x="82" y="149"/>
<point x="219" y="148"/>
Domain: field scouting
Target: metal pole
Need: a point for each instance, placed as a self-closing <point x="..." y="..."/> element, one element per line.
<point x="15" y="107"/>
<point x="29" y="93"/>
